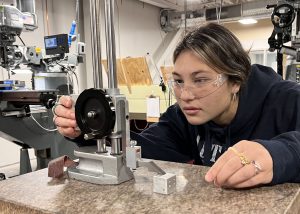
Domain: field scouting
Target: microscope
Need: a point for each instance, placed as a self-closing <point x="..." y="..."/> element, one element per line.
<point x="285" y="18"/>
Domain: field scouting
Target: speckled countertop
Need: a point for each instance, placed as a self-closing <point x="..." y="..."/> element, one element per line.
<point x="36" y="193"/>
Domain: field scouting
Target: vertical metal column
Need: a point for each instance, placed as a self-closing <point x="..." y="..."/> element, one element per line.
<point x="110" y="44"/>
<point x="96" y="42"/>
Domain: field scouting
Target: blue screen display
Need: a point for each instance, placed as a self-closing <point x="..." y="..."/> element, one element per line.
<point x="50" y="43"/>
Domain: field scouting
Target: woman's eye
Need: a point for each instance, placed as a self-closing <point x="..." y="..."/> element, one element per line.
<point x="201" y="80"/>
<point x="178" y="81"/>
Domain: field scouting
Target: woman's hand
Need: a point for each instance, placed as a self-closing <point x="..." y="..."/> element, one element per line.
<point x="64" y="117"/>
<point x="246" y="164"/>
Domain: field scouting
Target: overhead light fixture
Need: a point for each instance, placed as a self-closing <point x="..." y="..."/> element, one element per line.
<point x="248" y="21"/>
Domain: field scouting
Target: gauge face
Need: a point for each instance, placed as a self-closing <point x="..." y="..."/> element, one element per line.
<point x="95" y="113"/>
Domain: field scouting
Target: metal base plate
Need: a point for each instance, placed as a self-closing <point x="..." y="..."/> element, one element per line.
<point x="100" y="168"/>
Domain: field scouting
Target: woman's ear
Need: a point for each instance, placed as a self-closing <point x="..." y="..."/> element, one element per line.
<point x="235" y="88"/>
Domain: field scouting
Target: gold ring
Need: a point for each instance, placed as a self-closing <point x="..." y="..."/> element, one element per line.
<point x="244" y="160"/>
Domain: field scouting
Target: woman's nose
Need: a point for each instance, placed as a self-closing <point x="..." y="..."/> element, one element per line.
<point x="186" y="94"/>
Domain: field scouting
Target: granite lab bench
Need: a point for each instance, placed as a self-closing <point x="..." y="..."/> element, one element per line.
<point x="37" y="193"/>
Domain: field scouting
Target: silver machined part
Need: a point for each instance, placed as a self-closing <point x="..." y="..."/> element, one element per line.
<point x="150" y="165"/>
<point x="116" y="146"/>
<point x="113" y="91"/>
<point x="132" y="143"/>
<point x="109" y="167"/>
<point x="122" y="119"/>
<point x="101" y="145"/>
<point x="96" y="42"/>
<point x="133" y="154"/>
<point x="110" y="43"/>
<point x="91" y="114"/>
<point x="164" y="184"/>
<point x="88" y="136"/>
<point x="99" y="169"/>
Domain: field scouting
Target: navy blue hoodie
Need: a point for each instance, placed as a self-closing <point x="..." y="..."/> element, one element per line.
<point x="268" y="113"/>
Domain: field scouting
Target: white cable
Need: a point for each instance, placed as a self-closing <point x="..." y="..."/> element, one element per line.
<point x="68" y="83"/>
<point x="48" y="130"/>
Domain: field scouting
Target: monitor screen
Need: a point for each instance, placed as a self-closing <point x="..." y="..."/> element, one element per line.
<point x="50" y="43"/>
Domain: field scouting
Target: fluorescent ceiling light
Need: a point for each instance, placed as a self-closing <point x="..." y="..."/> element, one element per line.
<point x="247" y="21"/>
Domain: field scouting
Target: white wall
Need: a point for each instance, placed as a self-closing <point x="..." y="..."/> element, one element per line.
<point x="245" y="33"/>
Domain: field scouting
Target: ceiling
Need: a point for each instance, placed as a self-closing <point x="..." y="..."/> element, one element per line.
<point x="179" y="5"/>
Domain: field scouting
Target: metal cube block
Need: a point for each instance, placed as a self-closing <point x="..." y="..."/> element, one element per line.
<point x="164" y="184"/>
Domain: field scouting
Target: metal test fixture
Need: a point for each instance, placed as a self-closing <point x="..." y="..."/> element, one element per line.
<point x="103" y="115"/>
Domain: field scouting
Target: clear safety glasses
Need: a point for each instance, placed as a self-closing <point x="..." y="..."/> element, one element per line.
<point x="197" y="88"/>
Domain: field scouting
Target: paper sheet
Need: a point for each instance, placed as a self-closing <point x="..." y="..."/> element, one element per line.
<point x="153" y="107"/>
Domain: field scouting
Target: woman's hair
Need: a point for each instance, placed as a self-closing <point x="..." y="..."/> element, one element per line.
<point x="219" y="49"/>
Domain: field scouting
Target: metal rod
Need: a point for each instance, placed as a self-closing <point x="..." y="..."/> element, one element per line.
<point x="96" y="42"/>
<point x="116" y="146"/>
<point x="26" y="5"/>
<point x="101" y="145"/>
<point x="110" y="44"/>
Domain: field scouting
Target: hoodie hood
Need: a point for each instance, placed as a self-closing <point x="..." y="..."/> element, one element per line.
<point x="251" y="100"/>
<point x="252" y="97"/>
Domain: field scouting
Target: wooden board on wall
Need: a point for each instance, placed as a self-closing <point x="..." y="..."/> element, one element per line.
<point x="137" y="71"/>
<point x="122" y="80"/>
<point x="132" y="71"/>
<point x="166" y="71"/>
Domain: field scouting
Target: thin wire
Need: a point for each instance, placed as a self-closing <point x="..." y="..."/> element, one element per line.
<point x="68" y="83"/>
<point x="48" y="130"/>
<point x="139" y="129"/>
<point x="166" y="102"/>
<point x="76" y="78"/>
<point x="21" y="40"/>
<point x="69" y="69"/>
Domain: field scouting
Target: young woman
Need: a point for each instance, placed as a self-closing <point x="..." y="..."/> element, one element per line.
<point x="240" y="119"/>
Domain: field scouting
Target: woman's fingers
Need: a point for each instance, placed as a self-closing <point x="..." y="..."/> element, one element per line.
<point x="64" y="117"/>
<point x="64" y="122"/>
<point x="68" y="132"/>
<point x="246" y="164"/>
<point x="66" y="101"/>
<point x="228" y="170"/>
<point x="62" y="111"/>
<point x="245" y="173"/>
<point x="217" y="167"/>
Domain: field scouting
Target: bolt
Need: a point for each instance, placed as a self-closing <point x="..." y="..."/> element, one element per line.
<point x="133" y="143"/>
<point x="91" y="114"/>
